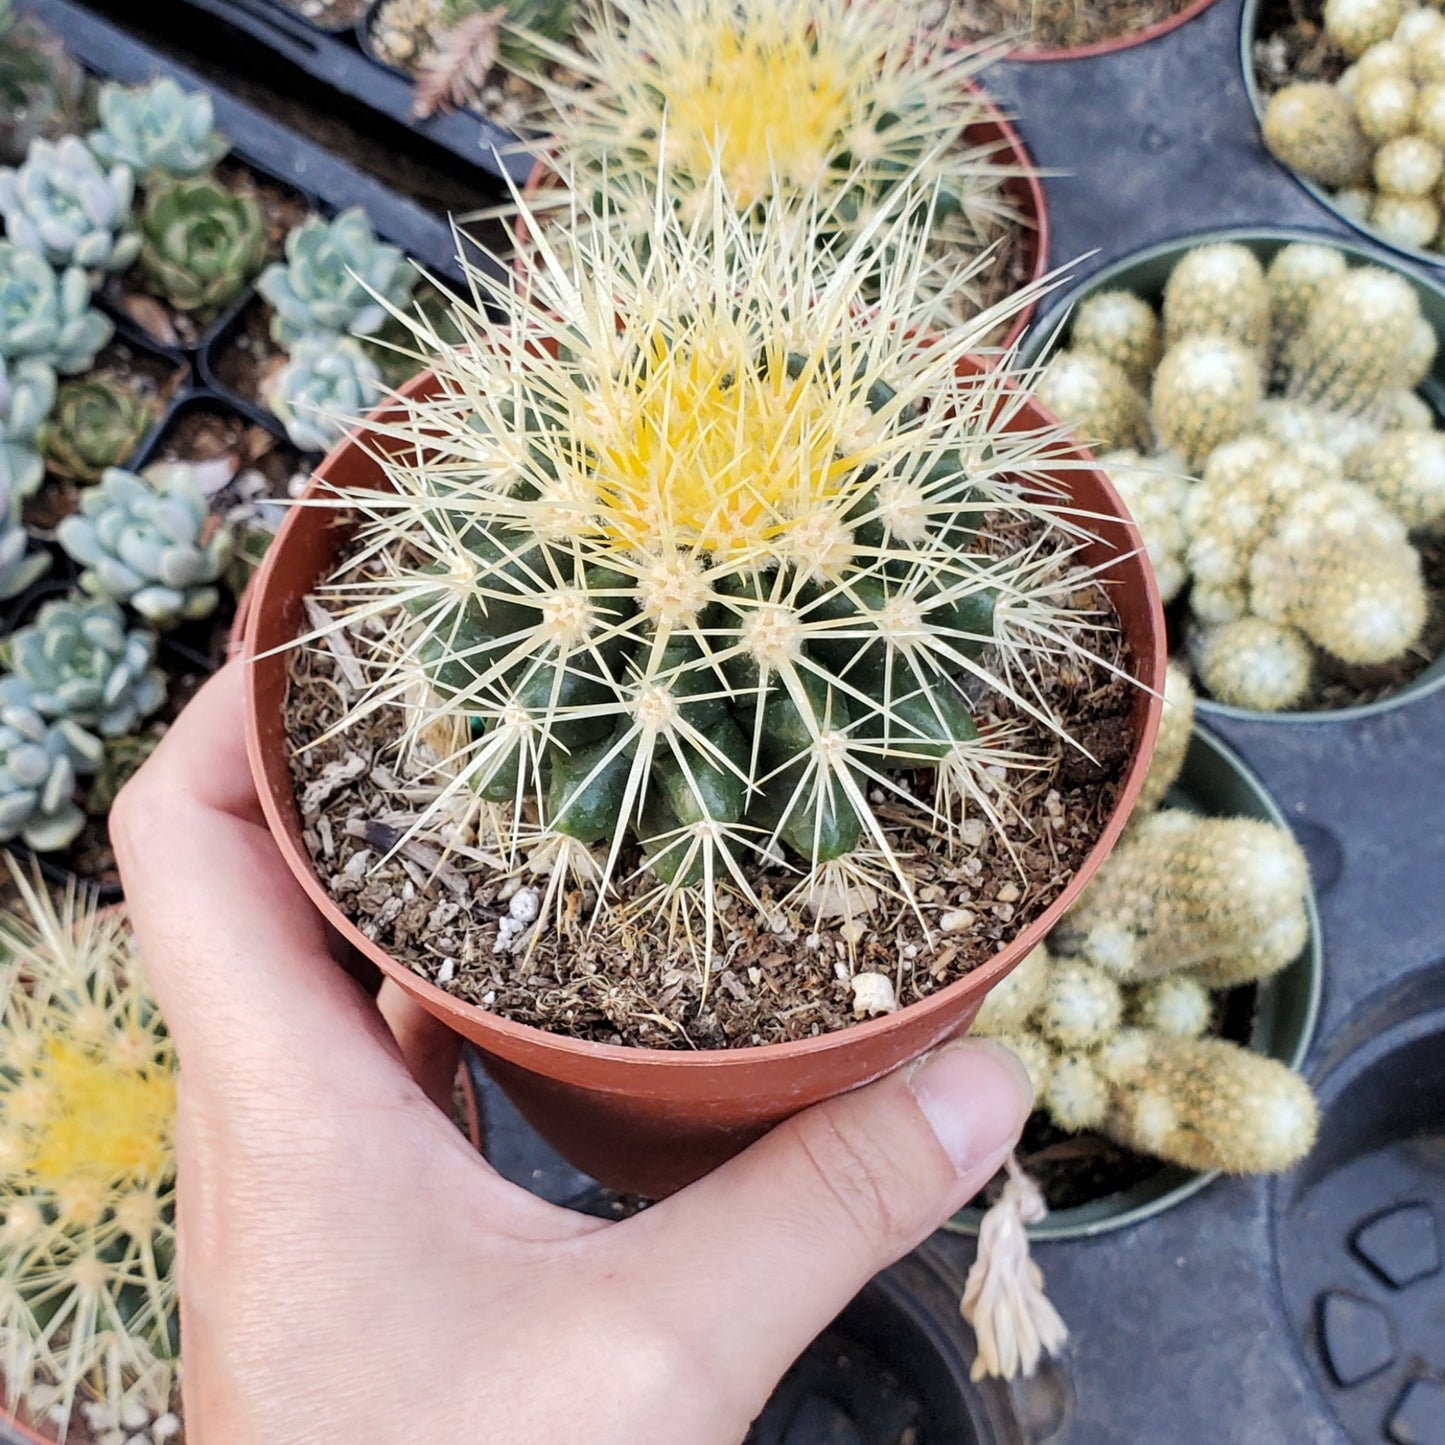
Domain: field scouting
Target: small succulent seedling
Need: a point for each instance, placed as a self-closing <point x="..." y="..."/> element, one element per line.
<point x="201" y="244"/>
<point x="19" y="567"/>
<point x="99" y="422"/>
<point x="843" y="101"/>
<point x="693" y="547"/>
<point x="45" y="316"/>
<point x="337" y="280"/>
<point x="27" y="393"/>
<point x="61" y="204"/>
<point x="147" y="541"/>
<point x="158" y="130"/>
<point x="323" y="382"/>
<point x="87" y="1166"/>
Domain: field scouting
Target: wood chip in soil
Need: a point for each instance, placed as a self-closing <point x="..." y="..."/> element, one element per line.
<point x="1050" y="24"/>
<point x="776" y="977"/>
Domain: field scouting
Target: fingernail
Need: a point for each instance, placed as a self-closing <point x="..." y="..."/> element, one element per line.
<point x="976" y="1096"/>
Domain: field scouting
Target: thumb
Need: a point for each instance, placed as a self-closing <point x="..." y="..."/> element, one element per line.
<point x="787" y="1233"/>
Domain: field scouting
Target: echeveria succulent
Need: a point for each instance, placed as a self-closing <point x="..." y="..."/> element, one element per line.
<point x="332" y="276"/>
<point x="48" y="316"/>
<point x="201" y="244"/>
<point x="96" y="425"/>
<point x="61" y="204"/>
<point x="18" y="566"/>
<point x="142" y="540"/>
<point x="27" y="393"/>
<point x="326" y="385"/>
<point x="39" y="764"/>
<point x="80" y="663"/>
<point x="157" y="129"/>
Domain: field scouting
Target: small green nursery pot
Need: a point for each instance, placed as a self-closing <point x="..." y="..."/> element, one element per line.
<point x="1216" y="783"/>
<point x="1145" y="274"/>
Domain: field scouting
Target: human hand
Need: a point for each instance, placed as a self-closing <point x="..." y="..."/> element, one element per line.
<point x="352" y="1272"/>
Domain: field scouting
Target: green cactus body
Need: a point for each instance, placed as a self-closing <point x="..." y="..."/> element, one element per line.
<point x="705" y="584"/>
<point x="79" y="662"/>
<point x="1012" y="1002"/>
<point x="159" y="130"/>
<point x="1355" y="347"/>
<point x="40" y="762"/>
<point x="1406" y="471"/>
<point x="1205" y="392"/>
<point x="1082" y="1007"/>
<point x="324" y="386"/>
<point x="1121" y="328"/>
<point x="830" y="104"/>
<point x="1217" y="290"/>
<point x="1095" y="397"/>
<point x="1176" y="1005"/>
<point x="1176" y="727"/>
<point x="201" y="244"/>
<point x="140" y="541"/>
<point x="1184" y="889"/>
<point x="87" y="1177"/>
<point x="1156" y="496"/>
<point x="1250" y="663"/>
<point x="1356" y="25"/>
<point x="1207" y="1104"/>
<point x="27" y="394"/>
<point x="1311" y="128"/>
<point x="98" y="423"/>
<point x="1231" y="511"/>
<point x="1339" y="567"/>
<point x="47" y="317"/>
<point x="331" y="278"/>
<point x="63" y="206"/>
<point x="1297" y="276"/>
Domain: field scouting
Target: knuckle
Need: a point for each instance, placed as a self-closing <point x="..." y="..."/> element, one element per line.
<point x="856" y="1175"/>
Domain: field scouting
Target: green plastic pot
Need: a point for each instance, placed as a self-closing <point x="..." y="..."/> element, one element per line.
<point x="1145" y="273"/>
<point x="1248" y="34"/>
<point x="1216" y="783"/>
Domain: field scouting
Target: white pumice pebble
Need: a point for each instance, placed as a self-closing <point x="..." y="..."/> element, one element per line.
<point x="525" y="905"/>
<point x="873" y="994"/>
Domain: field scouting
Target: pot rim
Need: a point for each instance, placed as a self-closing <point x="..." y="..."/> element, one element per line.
<point x="540" y="178"/>
<point x="1174" y="1183"/>
<point x="939" y="1005"/>
<point x="1248" y="34"/>
<point x="1110" y="46"/>
<point x="1432" y="679"/>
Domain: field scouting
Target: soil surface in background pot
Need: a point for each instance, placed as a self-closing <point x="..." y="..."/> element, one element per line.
<point x="1291" y="45"/>
<point x="1049" y="24"/>
<point x="785" y="976"/>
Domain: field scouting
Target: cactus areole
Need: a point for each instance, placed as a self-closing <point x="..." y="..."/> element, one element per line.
<point x="685" y="606"/>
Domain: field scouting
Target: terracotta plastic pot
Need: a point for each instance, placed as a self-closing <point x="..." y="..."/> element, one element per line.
<point x="1005" y="146"/>
<point x="1127" y="41"/>
<point x="648" y="1121"/>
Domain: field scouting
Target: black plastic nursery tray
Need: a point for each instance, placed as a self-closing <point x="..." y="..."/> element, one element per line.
<point x="336" y="57"/>
<point x="195" y="390"/>
<point x="1308" y="1310"/>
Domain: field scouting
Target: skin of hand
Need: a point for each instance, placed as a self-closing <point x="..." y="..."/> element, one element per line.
<point x="352" y="1272"/>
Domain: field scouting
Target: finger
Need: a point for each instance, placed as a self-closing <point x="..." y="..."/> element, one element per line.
<point x="431" y="1050"/>
<point x="786" y="1234"/>
<point x="232" y="946"/>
